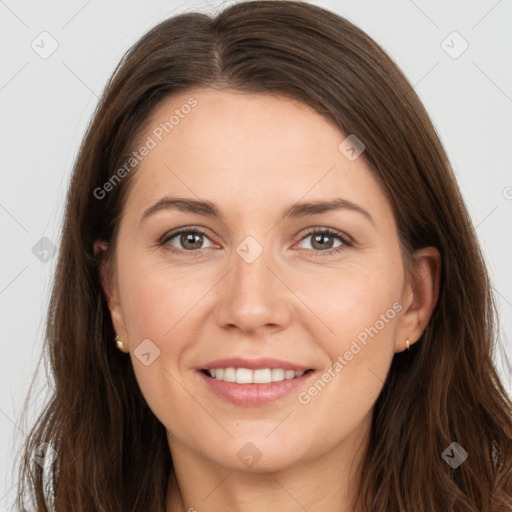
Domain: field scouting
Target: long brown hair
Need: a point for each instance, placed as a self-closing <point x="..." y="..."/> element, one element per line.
<point x="110" y="451"/>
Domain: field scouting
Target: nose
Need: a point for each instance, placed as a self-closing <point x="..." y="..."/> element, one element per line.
<point x="252" y="296"/>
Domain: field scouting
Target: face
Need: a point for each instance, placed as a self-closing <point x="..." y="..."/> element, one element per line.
<point x="259" y="278"/>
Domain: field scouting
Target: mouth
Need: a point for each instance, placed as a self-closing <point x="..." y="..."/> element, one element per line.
<point x="250" y="376"/>
<point x="261" y="387"/>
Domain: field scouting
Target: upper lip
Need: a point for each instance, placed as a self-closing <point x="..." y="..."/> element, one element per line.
<point x="254" y="364"/>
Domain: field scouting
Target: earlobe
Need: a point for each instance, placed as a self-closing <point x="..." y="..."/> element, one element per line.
<point x="420" y="295"/>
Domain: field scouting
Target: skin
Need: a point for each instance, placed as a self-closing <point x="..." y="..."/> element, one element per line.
<point x="254" y="156"/>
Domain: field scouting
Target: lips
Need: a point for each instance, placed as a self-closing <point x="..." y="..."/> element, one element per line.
<point x="245" y="392"/>
<point x="254" y="395"/>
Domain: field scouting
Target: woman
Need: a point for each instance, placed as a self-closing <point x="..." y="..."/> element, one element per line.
<point x="269" y="293"/>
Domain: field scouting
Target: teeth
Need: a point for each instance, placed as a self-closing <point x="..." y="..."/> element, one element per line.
<point x="247" y="376"/>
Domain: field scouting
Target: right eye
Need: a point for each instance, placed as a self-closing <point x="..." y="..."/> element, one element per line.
<point x="190" y="240"/>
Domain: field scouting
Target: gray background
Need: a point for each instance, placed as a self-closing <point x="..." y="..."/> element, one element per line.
<point x="46" y="104"/>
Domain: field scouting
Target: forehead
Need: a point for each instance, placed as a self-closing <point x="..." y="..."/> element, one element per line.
<point x="237" y="148"/>
<point x="266" y="125"/>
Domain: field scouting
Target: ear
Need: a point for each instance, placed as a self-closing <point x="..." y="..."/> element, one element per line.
<point x="109" y="286"/>
<point x="419" y="297"/>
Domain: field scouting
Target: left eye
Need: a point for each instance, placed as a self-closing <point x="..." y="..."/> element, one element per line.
<point x="323" y="240"/>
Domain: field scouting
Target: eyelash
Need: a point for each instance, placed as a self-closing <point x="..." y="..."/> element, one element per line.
<point x="346" y="241"/>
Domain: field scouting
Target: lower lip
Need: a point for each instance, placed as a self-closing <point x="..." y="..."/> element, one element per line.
<point x="254" y="394"/>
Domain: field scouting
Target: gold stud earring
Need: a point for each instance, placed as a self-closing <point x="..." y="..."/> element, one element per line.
<point x="407" y="343"/>
<point x="120" y="344"/>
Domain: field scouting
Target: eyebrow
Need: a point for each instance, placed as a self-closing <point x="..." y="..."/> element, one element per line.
<point x="296" y="210"/>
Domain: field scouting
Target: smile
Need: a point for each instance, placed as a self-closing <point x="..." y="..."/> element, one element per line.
<point x="244" y="389"/>
<point x="248" y="376"/>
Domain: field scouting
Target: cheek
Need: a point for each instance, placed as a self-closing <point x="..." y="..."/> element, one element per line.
<point x="363" y="319"/>
<point x="358" y="311"/>
<point x="156" y="302"/>
<point x="162" y="305"/>
<point x="354" y="303"/>
<point x="159" y="308"/>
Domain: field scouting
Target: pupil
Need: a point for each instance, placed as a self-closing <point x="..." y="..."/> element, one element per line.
<point x="190" y="237"/>
<point x="322" y="245"/>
